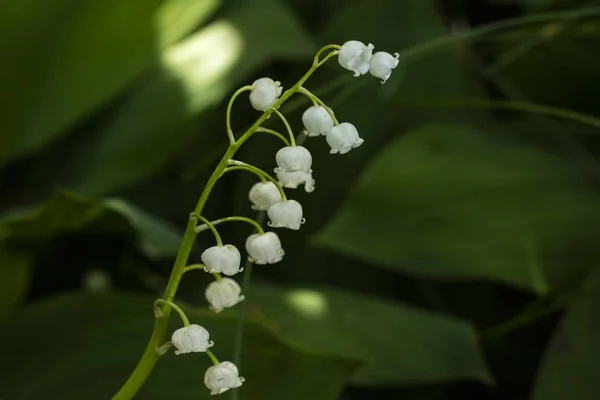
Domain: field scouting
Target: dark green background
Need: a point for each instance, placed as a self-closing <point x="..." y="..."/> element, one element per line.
<point x="453" y="255"/>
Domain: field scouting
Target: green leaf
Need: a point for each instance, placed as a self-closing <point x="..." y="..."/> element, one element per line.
<point x="67" y="212"/>
<point x="74" y="56"/>
<point x="567" y="53"/>
<point x="85" y="346"/>
<point x="403" y="344"/>
<point x="453" y="202"/>
<point x="156" y="122"/>
<point x="394" y="26"/>
<point x="569" y="369"/>
<point x="15" y="274"/>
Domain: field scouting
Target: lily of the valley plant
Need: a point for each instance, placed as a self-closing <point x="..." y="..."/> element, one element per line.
<point x="294" y="169"/>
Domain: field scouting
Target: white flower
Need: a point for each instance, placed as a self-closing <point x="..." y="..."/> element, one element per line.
<point x="317" y="121"/>
<point x="191" y="339"/>
<point x="223" y="293"/>
<point x="382" y="65"/>
<point x="222" y="259"/>
<point x="263" y="194"/>
<point x="222" y="377"/>
<point x="264" y="248"/>
<point x="355" y="57"/>
<point x="291" y="180"/>
<point x="343" y="137"/>
<point x="265" y="93"/>
<point x="292" y="159"/>
<point x="286" y="214"/>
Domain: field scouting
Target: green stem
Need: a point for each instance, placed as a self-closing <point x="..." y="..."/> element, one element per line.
<point x="212" y="357"/>
<point x="287" y="126"/>
<point x="323" y="49"/>
<point x="272" y="132"/>
<point x="212" y="228"/>
<point x="150" y="355"/>
<point x="236" y="218"/>
<point x="194" y="267"/>
<point x="318" y="101"/>
<point x="228" y="113"/>
<point x="217" y="276"/>
<point x="242" y="168"/>
<point x="260" y="171"/>
<point x="184" y="318"/>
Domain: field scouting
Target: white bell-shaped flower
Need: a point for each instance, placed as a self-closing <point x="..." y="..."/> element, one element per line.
<point x="292" y="180"/>
<point x="263" y="194"/>
<point x="265" y="92"/>
<point x="293" y="158"/>
<point x="222" y="377"/>
<point x="264" y="248"/>
<point x="343" y="137"/>
<point x="222" y="260"/>
<point x="317" y="121"/>
<point x="286" y="214"/>
<point x="382" y="65"/>
<point x="223" y="293"/>
<point x="191" y="339"/>
<point x="356" y="57"/>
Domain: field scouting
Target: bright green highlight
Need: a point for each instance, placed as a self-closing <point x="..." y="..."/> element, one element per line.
<point x="242" y="168"/>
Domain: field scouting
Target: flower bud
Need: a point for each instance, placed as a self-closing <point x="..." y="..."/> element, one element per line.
<point x="264" y="248"/>
<point x="191" y="339"/>
<point x="343" y="137"/>
<point x="291" y="180"/>
<point x="223" y="293"/>
<point x="265" y="93"/>
<point x="317" y="121"/>
<point x="222" y="377"/>
<point x="355" y="57"/>
<point x="292" y="159"/>
<point x="222" y="259"/>
<point x="263" y="194"/>
<point x="382" y="65"/>
<point x="286" y="214"/>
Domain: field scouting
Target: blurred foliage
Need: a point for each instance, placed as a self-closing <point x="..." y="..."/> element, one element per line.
<point x="452" y="256"/>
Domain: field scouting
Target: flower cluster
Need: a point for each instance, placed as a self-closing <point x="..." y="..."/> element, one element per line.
<point x="294" y="169"/>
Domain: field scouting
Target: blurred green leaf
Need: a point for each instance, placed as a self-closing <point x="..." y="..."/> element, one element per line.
<point x="569" y="369"/>
<point x="404" y="344"/>
<point x="454" y="202"/>
<point x="155" y="123"/>
<point x="57" y="73"/>
<point x="85" y="346"/>
<point x="567" y="52"/>
<point x="67" y="212"/>
<point x="15" y="273"/>
<point x="394" y="26"/>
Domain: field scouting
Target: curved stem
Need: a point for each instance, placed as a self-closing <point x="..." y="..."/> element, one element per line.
<point x="260" y="171"/>
<point x="323" y="49"/>
<point x="314" y="99"/>
<point x="228" y="113"/>
<point x="426" y="47"/>
<point x="242" y="168"/>
<point x="212" y="228"/>
<point x="272" y="132"/>
<point x="217" y="276"/>
<point x="212" y="357"/>
<point x="194" y="267"/>
<point x="252" y="222"/>
<point x="287" y="126"/>
<point x="524" y="106"/>
<point x="184" y="318"/>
